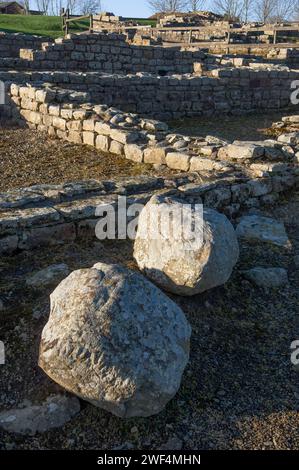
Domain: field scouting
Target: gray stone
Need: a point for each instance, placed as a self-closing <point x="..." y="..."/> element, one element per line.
<point x="54" y="413"/>
<point x="50" y="275"/>
<point x="115" y="340"/>
<point x="134" y="152"/>
<point x="267" y="277"/>
<point x="183" y="263"/>
<point x="240" y="150"/>
<point x="291" y="139"/>
<point x="262" y="229"/>
<point x="178" y="161"/>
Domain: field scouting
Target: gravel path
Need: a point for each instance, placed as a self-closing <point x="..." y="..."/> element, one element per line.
<point x="239" y="390"/>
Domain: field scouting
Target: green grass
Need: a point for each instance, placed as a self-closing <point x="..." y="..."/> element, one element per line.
<point x="45" y="25"/>
<point x="39" y="25"/>
<point x="143" y="21"/>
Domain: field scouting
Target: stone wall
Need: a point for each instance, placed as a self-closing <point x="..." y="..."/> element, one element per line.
<point x="230" y="90"/>
<point x="54" y="215"/>
<point x="68" y="115"/>
<point x="11" y="44"/>
<point x="226" y="176"/>
<point x="110" y="53"/>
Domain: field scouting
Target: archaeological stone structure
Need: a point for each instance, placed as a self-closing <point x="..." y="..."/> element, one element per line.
<point x="102" y="91"/>
<point x="124" y="344"/>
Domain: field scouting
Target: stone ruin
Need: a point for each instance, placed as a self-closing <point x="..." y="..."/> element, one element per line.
<point x="108" y="21"/>
<point x="103" y="91"/>
<point x="202" y="26"/>
<point x="200" y="18"/>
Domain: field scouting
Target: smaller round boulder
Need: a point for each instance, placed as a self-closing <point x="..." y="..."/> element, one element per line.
<point x="184" y="248"/>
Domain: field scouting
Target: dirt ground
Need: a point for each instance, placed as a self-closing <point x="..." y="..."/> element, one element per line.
<point x="239" y="390"/>
<point x="28" y="157"/>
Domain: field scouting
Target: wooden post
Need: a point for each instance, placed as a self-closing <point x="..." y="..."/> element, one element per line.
<point x="62" y="14"/>
<point x="275" y="37"/>
<point x="190" y="36"/>
<point x="91" y="23"/>
<point x="66" y="22"/>
<point x="228" y="37"/>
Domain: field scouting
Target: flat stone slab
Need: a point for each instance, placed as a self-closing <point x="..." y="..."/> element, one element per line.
<point x="53" y="413"/>
<point x="267" y="277"/>
<point x="262" y="229"/>
<point x="48" y="276"/>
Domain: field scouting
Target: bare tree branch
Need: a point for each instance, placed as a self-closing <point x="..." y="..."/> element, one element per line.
<point x="159" y="6"/>
<point x="196" y="5"/>
<point x="231" y="9"/>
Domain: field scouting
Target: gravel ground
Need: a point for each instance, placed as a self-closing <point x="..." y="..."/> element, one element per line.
<point x="251" y="127"/>
<point x="239" y="390"/>
<point x="28" y="157"/>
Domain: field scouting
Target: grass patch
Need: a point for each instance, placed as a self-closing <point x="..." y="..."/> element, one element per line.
<point x="50" y="26"/>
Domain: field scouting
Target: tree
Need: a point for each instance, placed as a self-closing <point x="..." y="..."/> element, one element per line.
<point x="26" y="4"/>
<point x="196" y="5"/>
<point x="231" y="9"/>
<point x="43" y="5"/>
<point x="265" y="10"/>
<point x="90" y="6"/>
<point x="55" y="7"/>
<point x="284" y="10"/>
<point x="246" y="10"/>
<point x="73" y="6"/>
<point x="159" y="6"/>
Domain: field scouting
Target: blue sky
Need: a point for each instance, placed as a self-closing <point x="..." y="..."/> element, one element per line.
<point x="128" y="8"/>
<point x="131" y="8"/>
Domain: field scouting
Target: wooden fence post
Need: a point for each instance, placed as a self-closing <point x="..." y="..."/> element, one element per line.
<point x="91" y="22"/>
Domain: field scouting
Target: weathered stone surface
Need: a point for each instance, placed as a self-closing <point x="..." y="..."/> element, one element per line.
<point x="48" y="276"/>
<point x="179" y="265"/>
<point x="8" y="244"/>
<point x="88" y="138"/>
<point x="262" y="229"/>
<point x="155" y="155"/>
<point x="115" y="340"/>
<point x="178" y="161"/>
<point x="267" y="277"/>
<point x="240" y="150"/>
<point x="46" y="236"/>
<point x="134" y="152"/>
<point x="117" y="148"/>
<point x="206" y="164"/>
<point x="124" y="137"/>
<point x="291" y="139"/>
<point x="102" y="143"/>
<point x="54" y="413"/>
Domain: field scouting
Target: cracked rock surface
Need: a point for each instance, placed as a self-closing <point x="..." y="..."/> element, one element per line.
<point x="115" y="340"/>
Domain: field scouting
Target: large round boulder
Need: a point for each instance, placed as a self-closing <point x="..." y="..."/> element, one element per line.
<point x="181" y="260"/>
<point x="115" y="340"/>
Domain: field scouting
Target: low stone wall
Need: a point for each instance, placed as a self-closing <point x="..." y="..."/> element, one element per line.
<point x="11" y="44"/>
<point x="48" y="215"/>
<point x="110" y="53"/>
<point x="286" y="55"/>
<point x="230" y="90"/>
